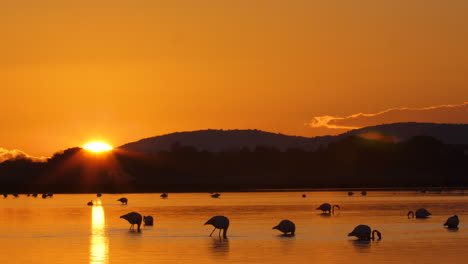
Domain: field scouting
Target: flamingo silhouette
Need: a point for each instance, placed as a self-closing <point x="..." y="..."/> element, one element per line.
<point x="148" y="220"/>
<point x="452" y="222"/>
<point x="219" y="222"/>
<point x="134" y="219"/>
<point x="363" y="232"/>
<point x="286" y="226"/>
<point x="123" y="200"/>
<point x="420" y="213"/>
<point x="326" y="207"/>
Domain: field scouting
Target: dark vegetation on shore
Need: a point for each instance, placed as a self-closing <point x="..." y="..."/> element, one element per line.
<point x="352" y="162"/>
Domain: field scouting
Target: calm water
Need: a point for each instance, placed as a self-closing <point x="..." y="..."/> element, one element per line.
<point x="64" y="230"/>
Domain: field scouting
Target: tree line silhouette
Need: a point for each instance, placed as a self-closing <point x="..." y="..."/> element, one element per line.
<point x="353" y="162"/>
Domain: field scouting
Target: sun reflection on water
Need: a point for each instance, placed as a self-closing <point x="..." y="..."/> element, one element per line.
<point x="99" y="249"/>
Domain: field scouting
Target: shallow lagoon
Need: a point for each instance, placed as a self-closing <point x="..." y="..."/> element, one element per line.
<point x="63" y="229"/>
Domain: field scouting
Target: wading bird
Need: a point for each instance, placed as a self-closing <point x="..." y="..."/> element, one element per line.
<point x="164" y="195"/>
<point x="304" y="196"/>
<point x="148" y="220"/>
<point x="219" y="222"/>
<point x="90" y="203"/>
<point x="134" y="219"/>
<point x="363" y="232"/>
<point x="99" y="194"/>
<point x="420" y="213"/>
<point x="328" y="208"/>
<point x="350" y="193"/>
<point x="123" y="200"/>
<point x="215" y="195"/>
<point x="286" y="227"/>
<point x="452" y="222"/>
<point x="364" y="193"/>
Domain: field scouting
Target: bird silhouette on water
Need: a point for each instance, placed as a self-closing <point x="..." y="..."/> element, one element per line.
<point x="99" y="194"/>
<point x="327" y="208"/>
<point x="420" y="213"/>
<point x="123" y="200"/>
<point x="219" y="222"/>
<point x="134" y="219"/>
<point x="286" y="227"/>
<point x="148" y="220"/>
<point x="164" y="195"/>
<point x="452" y="222"/>
<point x="90" y="203"/>
<point x="363" y="232"/>
<point x="215" y="195"/>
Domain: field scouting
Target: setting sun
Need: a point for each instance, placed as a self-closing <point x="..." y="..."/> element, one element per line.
<point x="97" y="147"/>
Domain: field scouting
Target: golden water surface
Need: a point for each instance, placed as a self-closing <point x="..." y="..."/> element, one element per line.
<point x="63" y="229"/>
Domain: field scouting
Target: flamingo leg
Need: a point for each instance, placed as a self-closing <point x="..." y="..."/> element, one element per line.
<point x="212" y="231"/>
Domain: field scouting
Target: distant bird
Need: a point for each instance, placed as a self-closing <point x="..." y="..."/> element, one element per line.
<point x="148" y="220"/>
<point x="215" y="195"/>
<point x="286" y="226"/>
<point x="44" y="195"/>
<point x="90" y="203"/>
<point x="34" y="195"/>
<point x="420" y="213"/>
<point x="304" y="196"/>
<point x="123" y="200"/>
<point x="219" y="222"/>
<point x="363" y="232"/>
<point x="164" y="195"/>
<point x="28" y="194"/>
<point x="134" y="219"/>
<point x="452" y="222"/>
<point x="15" y="195"/>
<point x="364" y="193"/>
<point x="350" y="193"/>
<point x="99" y="194"/>
<point x="5" y="195"/>
<point x="326" y="207"/>
<point x="50" y="195"/>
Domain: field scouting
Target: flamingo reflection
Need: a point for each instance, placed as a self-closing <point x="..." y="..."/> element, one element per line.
<point x="99" y="249"/>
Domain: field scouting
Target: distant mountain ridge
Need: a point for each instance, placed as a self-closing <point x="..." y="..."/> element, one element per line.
<point x="234" y="140"/>
<point x="447" y="133"/>
<point x="221" y="140"/>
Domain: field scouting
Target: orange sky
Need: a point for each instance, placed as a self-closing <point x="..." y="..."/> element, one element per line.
<point x="74" y="71"/>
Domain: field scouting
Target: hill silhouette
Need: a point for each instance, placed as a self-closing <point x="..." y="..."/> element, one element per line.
<point x="234" y="140"/>
<point x="222" y="140"/>
<point x="447" y="133"/>
<point x="351" y="162"/>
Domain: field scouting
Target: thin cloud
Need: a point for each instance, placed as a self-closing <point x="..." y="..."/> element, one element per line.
<point x="437" y="114"/>
<point x="6" y="154"/>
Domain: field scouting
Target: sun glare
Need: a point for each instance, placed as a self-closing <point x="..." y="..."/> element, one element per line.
<point x="97" y="147"/>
